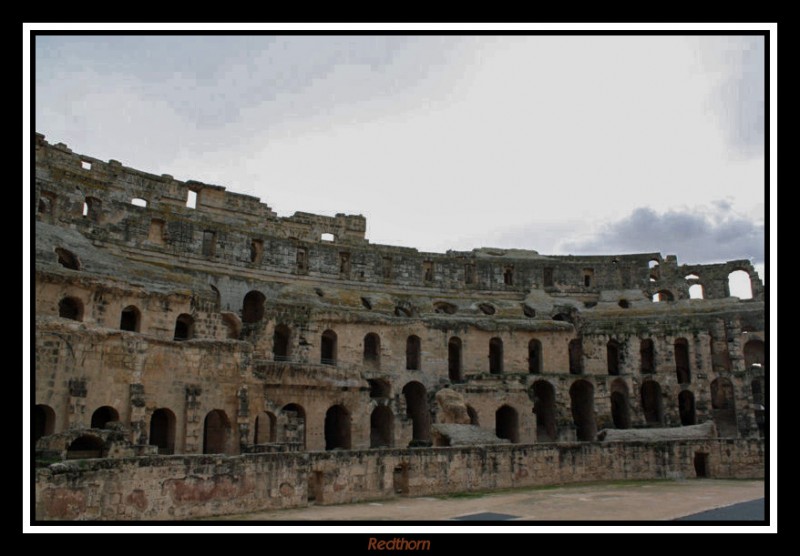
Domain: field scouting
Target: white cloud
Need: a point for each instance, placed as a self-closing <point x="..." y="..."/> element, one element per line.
<point x="442" y="142"/>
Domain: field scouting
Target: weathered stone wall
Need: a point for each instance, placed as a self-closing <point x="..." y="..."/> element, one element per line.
<point x="151" y="488"/>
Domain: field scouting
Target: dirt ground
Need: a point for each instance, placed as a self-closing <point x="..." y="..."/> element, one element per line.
<point x="634" y="500"/>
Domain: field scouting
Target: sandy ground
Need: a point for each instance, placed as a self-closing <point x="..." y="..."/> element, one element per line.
<point x="638" y="500"/>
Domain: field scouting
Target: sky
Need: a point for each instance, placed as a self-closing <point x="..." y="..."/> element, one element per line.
<point x="560" y="144"/>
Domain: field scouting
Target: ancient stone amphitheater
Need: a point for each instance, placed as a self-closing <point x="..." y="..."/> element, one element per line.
<point x="196" y="354"/>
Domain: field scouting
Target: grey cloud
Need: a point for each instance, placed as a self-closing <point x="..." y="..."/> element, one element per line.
<point x="695" y="237"/>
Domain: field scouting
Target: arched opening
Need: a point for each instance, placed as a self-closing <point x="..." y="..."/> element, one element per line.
<point x="686" y="408"/>
<point x="70" y="308"/>
<point x="379" y="388"/>
<point x="696" y="291"/>
<point x="44" y="421"/>
<point x="754" y="354"/>
<point x="91" y="209"/>
<point x="507" y="423"/>
<point x="102" y="416"/>
<point x="739" y="285"/>
<point x="646" y="356"/>
<point x="413" y="353"/>
<point x="544" y="407"/>
<point x="473" y="416"/>
<point x="723" y="407"/>
<point x="581" y="395"/>
<point x="417" y="409"/>
<point x="454" y="369"/>
<point x="162" y="431"/>
<point x="612" y="357"/>
<point x="253" y="307"/>
<point x="280" y="343"/>
<point x="139" y="202"/>
<point x="495" y="356"/>
<point x="576" y="356"/>
<point x="620" y="412"/>
<point x="444" y="307"/>
<point x="295" y="424"/>
<point x="85" y="447"/>
<point x="381" y="425"/>
<point x="68" y="259"/>
<point x="652" y="405"/>
<point x="265" y="431"/>
<point x="535" y="357"/>
<point x="663" y="295"/>
<point x="328" y="348"/>
<point x="216" y="432"/>
<point x="337" y="428"/>
<point x="184" y="327"/>
<point x="372" y="351"/>
<point x="682" y="361"/>
<point x="130" y="318"/>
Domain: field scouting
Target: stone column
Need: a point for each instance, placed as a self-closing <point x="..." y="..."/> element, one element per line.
<point x="138" y="422"/>
<point x="193" y="441"/>
<point x="243" y="418"/>
<point x="76" y="404"/>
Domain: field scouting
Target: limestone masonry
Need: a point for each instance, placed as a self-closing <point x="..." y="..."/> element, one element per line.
<point x="176" y="319"/>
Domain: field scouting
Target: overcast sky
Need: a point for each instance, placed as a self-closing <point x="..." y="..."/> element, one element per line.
<point x="570" y="144"/>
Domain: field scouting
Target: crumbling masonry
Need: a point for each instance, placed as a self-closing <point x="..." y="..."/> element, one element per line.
<point x="178" y="318"/>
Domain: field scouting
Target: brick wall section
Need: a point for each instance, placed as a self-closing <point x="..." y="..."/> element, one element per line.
<point x="181" y="487"/>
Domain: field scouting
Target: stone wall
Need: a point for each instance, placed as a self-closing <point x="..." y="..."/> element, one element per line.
<point x="182" y="487"/>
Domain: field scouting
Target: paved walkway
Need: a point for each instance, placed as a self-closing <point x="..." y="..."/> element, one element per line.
<point x="634" y="500"/>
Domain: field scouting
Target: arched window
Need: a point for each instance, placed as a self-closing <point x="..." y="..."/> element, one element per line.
<point x="91" y="209"/>
<point x="652" y="405"/>
<point x="68" y="259"/>
<point x="663" y="295"/>
<point x="507" y="423"/>
<point x="535" y="357"/>
<point x="454" y="369"/>
<point x="381" y="426"/>
<point x="723" y="407"/>
<point x="328" y="348"/>
<point x="216" y="432"/>
<point x="184" y="327"/>
<point x="130" y="318"/>
<point x="253" y="307"/>
<point x="372" y="351"/>
<point x="696" y="291"/>
<point x="495" y="356"/>
<point x="612" y="357"/>
<point x="103" y="416"/>
<point x="686" y="408"/>
<point x="754" y="354"/>
<point x="576" y="356"/>
<point x="682" y="361"/>
<point x="413" y="346"/>
<point x="739" y="285"/>
<point x="86" y="446"/>
<point x="581" y="395"/>
<point x="44" y="421"/>
<point x="162" y="431"/>
<point x="646" y="356"/>
<point x="620" y="413"/>
<point x="280" y="343"/>
<point x="544" y="407"/>
<point x="337" y="428"/>
<point x="265" y="431"/>
<point x="70" y="308"/>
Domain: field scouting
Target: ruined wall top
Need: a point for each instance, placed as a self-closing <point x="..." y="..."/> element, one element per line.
<point x="110" y="203"/>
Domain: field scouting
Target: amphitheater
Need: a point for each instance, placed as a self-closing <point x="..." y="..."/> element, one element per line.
<point x="198" y="355"/>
